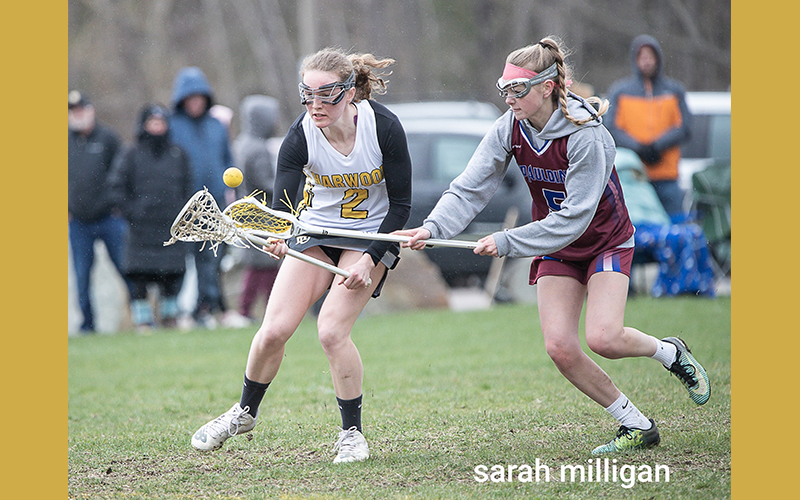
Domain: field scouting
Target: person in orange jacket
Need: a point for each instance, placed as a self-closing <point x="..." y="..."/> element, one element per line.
<point x="648" y="115"/>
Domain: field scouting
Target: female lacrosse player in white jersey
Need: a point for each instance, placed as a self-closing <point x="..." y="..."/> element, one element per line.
<point x="352" y="156"/>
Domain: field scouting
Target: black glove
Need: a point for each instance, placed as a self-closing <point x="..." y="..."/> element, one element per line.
<point x="649" y="154"/>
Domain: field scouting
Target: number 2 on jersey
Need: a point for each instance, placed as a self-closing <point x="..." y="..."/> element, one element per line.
<point x="349" y="207"/>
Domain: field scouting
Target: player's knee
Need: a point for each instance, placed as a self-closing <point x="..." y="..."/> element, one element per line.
<point x="564" y="354"/>
<point x="269" y="338"/>
<point x="331" y="339"/>
<point x="604" y="340"/>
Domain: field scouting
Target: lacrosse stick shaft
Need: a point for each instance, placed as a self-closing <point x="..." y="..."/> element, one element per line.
<point x="305" y="258"/>
<point x="256" y="240"/>
<point x="399" y="239"/>
<point x="395" y="238"/>
<point x="319" y="263"/>
<point x="242" y="210"/>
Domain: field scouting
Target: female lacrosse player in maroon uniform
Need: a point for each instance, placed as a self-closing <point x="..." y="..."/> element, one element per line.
<point x="353" y="155"/>
<point x="581" y="237"/>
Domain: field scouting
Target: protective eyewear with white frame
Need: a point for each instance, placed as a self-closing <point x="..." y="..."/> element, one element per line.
<point x="331" y="93"/>
<point x="519" y="87"/>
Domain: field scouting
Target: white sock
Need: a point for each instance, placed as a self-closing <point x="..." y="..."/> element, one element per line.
<point x="627" y="414"/>
<point x="665" y="353"/>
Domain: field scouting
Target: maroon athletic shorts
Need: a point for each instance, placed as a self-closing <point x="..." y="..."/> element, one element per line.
<point x="615" y="260"/>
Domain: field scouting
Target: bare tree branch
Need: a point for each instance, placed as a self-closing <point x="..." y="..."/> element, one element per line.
<point x="226" y="85"/>
<point x="259" y="44"/>
<point x="126" y="53"/>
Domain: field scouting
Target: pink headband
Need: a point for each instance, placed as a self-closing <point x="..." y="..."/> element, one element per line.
<point x="510" y="72"/>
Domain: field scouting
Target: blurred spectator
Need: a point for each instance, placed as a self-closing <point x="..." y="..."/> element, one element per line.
<point x="259" y="120"/>
<point x="205" y="140"/>
<point x="150" y="182"/>
<point x="680" y="250"/>
<point x="225" y="116"/>
<point x="648" y="115"/>
<point x="92" y="148"/>
<point x="222" y="113"/>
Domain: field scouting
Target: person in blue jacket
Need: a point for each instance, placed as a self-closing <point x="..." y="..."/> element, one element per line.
<point x="205" y="140"/>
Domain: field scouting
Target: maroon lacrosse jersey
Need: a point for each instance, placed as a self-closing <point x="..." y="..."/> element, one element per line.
<point x="544" y="170"/>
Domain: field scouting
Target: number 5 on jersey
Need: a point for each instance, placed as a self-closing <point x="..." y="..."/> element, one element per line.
<point x="554" y="199"/>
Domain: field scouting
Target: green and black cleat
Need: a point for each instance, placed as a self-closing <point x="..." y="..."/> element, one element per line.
<point x="631" y="439"/>
<point x="690" y="372"/>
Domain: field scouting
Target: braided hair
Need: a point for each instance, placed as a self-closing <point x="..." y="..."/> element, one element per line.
<point x="542" y="55"/>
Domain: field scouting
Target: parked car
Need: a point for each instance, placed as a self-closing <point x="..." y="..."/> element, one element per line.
<point x="710" y="140"/>
<point x="442" y="136"/>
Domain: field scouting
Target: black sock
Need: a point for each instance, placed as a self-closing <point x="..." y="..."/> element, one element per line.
<point x="252" y="393"/>
<point x="351" y="412"/>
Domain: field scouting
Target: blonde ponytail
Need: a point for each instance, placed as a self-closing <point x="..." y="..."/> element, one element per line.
<point x="542" y="55"/>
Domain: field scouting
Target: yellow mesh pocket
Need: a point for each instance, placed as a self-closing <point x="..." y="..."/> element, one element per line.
<point x="249" y="216"/>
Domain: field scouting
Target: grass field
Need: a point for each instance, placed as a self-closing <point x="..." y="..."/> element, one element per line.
<point x="443" y="393"/>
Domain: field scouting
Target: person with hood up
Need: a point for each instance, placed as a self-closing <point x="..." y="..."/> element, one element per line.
<point x="581" y="236"/>
<point x="648" y="114"/>
<point x="259" y="122"/>
<point x="150" y="182"/>
<point x="205" y="140"/>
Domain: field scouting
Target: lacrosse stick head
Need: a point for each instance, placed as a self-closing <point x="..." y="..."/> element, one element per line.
<point x="253" y="216"/>
<point x="202" y="220"/>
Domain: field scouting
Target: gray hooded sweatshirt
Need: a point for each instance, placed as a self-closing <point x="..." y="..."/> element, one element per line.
<point x="590" y="153"/>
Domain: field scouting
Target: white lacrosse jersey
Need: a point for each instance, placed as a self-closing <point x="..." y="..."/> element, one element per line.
<point x="345" y="191"/>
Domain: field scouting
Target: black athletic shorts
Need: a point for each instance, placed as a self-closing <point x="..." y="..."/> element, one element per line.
<point x="334" y="245"/>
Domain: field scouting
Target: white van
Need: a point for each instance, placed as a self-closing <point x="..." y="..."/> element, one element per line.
<point x="710" y="133"/>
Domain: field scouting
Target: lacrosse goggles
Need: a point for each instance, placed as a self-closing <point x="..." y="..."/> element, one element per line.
<point x="517" y="82"/>
<point x="331" y="93"/>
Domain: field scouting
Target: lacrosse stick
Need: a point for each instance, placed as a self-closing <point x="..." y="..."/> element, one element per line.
<point x="201" y="220"/>
<point x="258" y="219"/>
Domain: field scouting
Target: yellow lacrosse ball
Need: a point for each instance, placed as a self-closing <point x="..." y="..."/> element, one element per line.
<point x="232" y="177"/>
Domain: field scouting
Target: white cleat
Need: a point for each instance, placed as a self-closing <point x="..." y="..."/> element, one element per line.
<point x="232" y="319"/>
<point x="234" y="421"/>
<point x="352" y="446"/>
